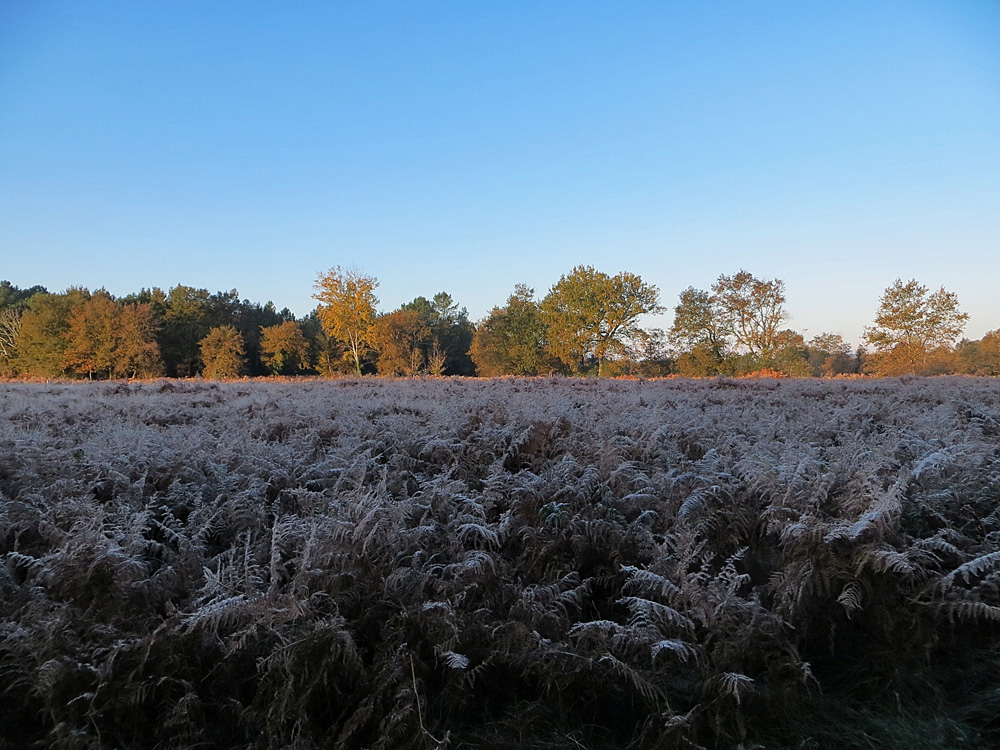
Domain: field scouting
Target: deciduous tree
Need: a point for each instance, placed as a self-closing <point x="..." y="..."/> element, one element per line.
<point x="223" y="354"/>
<point x="830" y="355"/>
<point x="326" y="352"/>
<point x="137" y="355"/>
<point x="751" y="311"/>
<point x="981" y="357"/>
<point x="912" y="322"/>
<point x="10" y="328"/>
<point x="91" y="337"/>
<point x="106" y="339"/>
<point x="790" y="355"/>
<point x="284" y="350"/>
<point x="249" y="318"/>
<point x="700" y="335"/>
<point x="347" y="309"/>
<point x="734" y="328"/>
<point x="41" y="342"/>
<point x="591" y="316"/>
<point x="510" y="340"/>
<point x="400" y="338"/>
<point x="13" y="303"/>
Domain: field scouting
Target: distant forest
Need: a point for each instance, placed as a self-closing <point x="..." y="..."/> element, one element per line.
<point x="589" y="323"/>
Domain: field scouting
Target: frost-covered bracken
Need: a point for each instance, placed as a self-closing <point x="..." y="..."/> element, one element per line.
<point x="534" y="563"/>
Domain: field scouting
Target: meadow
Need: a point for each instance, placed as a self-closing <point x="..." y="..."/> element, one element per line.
<point x="509" y="563"/>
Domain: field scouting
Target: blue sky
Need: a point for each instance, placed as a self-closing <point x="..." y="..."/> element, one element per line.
<point x="467" y="147"/>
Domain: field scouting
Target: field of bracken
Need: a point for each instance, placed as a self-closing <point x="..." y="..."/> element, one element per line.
<point x="548" y="563"/>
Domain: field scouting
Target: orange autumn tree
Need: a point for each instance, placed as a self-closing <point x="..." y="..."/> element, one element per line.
<point x="283" y="348"/>
<point x="347" y="309"/>
<point x="90" y="339"/>
<point x="913" y="325"/>
<point x="399" y="338"/>
<point x="223" y="352"/>
<point x="137" y="355"/>
<point x="107" y="339"/>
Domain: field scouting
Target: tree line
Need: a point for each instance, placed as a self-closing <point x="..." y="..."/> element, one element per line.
<point x="589" y="323"/>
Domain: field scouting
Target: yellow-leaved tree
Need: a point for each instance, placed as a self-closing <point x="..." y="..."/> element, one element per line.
<point x="591" y="317"/>
<point x="223" y="353"/>
<point x="347" y="309"/>
<point x="283" y="348"/>
<point x="399" y="338"/>
<point x="913" y="324"/>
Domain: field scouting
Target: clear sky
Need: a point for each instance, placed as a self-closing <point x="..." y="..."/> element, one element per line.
<point x="468" y="146"/>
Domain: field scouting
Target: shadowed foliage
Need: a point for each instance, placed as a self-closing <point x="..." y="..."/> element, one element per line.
<point x="515" y="563"/>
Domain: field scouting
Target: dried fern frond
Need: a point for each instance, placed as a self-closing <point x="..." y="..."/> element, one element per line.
<point x="478" y="534"/>
<point x="454" y="660"/>
<point x="649" y="584"/>
<point x="655" y="616"/>
<point x="852" y="598"/>
<point x="972" y="569"/>
<point x="735" y="685"/>
<point x="884" y="560"/>
<point x="969" y="610"/>
<point x="680" y="649"/>
<point x="646" y="688"/>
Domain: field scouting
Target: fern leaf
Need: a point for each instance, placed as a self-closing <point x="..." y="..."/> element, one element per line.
<point x="649" y="583"/>
<point x="851" y="598"/>
<point x="454" y="660"/>
<point x="735" y="684"/>
<point x="972" y="611"/>
<point x="972" y="568"/>
<point x="681" y="649"/>
<point x="217" y="614"/>
<point x="885" y="561"/>
<point x="478" y="534"/>
<point x="644" y="687"/>
<point x="649" y="614"/>
<point x="939" y="546"/>
<point x="696" y="503"/>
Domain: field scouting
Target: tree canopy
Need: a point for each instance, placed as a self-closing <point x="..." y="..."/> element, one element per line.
<point x="736" y="327"/>
<point x="591" y="316"/>
<point x="284" y="349"/>
<point x="223" y="353"/>
<point x="589" y="323"/>
<point x="751" y="310"/>
<point x="347" y="309"/>
<point x="699" y="333"/>
<point x="981" y="357"/>
<point x="401" y="338"/>
<point x="511" y="340"/>
<point x="446" y="348"/>
<point x="912" y="322"/>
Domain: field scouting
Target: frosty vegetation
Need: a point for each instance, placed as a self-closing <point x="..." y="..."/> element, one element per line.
<point x="514" y="563"/>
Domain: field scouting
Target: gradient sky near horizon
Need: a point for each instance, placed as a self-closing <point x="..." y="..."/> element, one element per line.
<point x="468" y="147"/>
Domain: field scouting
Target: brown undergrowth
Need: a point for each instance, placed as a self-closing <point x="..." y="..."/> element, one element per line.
<point x="509" y="563"/>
